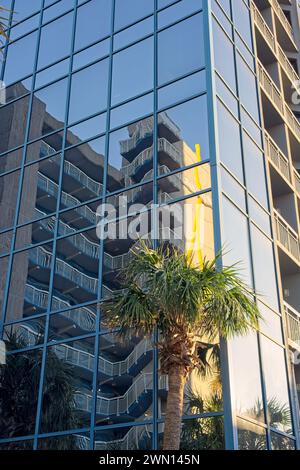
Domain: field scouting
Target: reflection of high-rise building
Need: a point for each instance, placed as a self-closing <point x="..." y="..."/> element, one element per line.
<point x="97" y="117"/>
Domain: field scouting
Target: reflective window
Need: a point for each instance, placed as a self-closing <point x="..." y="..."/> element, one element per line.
<point x="29" y="283"/>
<point x="177" y="11"/>
<point x="250" y="436"/>
<point x="91" y="54"/>
<point x="24" y="9"/>
<point x="73" y="322"/>
<point x="247" y="382"/>
<point x="131" y="111"/>
<point x="247" y="88"/>
<point x="131" y="11"/>
<point x="233" y="189"/>
<point x="276" y="386"/>
<point x="86" y="129"/>
<point x="224" y="56"/>
<point x="9" y="186"/>
<point x="260" y="216"/>
<point x="51" y="73"/>
<point x="88" y="91"/>
<point x="203" y="434"/>
<point x="177" y="54"/>
<point x="281" y="442"/>
<point x="13" y="119"/>
<point x="270" y="323"/>
<point x="67" y="394"/>
<point x="264" y="267"/>
<point x="48" y="109"/>
<point x="127" y="438"/>
<point x="230" y="141"/>
<point x="237" y="247"/>
<point x="80" y="441"/>
<point x="182" y="140"/>
<point x="181" y="89"/>
<point x="132" y="71"/>
<point x="20" y="58"/>
<point x="255" y="170"/>
<point x="242" y="21"/>
<point x="93" y="22"/>
<point x="57" y="9"/>
<point x="24" y="27"/>
<point x="132" y="34"/>
<point x="60" y="44"/>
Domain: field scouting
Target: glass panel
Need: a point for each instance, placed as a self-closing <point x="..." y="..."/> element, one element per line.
<point x="39" y="191"/>
<point x="184" y="183"/>
<point x="71" y="323"/>
<point x="242" y="21"/>
<point x="177" y="11"/>
<point x="83" y="172"/>
<point x="13" y="119"/>
<point x="224" y="56"/>
<point x="79" y="218"/>
<point x="177" y="54"/>
<point x="255" y="170"/>
<point x="227" y="96"/>
<point x="76" y="268"/>
<point x="131" y="111"/>
<point x="20" y="378"/>
<point x="237" y="244"/>
<point x="131" y="155"/>
<point x="131" y="11"/>
<point x="132" y="71"/>
<point x="19" y="445"/>
<point x="93" y="22"/>
<point x="52" y="73"/>
<point x="9" y="186"/>
<point x="4" y="266"/>
<point x="78" y="441"/>
<point x="233" y="189"/>
<point x="85" y="130"/>
<point x="68" y="386"/>
<point x="276" y="386"/>
<point x="250" y="436"/>
<point x="129" y="438"/>
<point x="125" y="380"/>
<point x="24" y="27"/>
<point x="259" y="216"/>
<point x="247" y="88"/>
<point x="29" y="283"/>
<point x="46" y="147"/>
<point x="48" y="109"/>
<point x="203" y="434"/>
<point x="247" y="382"/>
<point x="5" y="242"/>
<point x="57" y="9"/>
<point x="20" y="58"/>
<point x="182" y="89"/>
<point x="25" y="334"/>
<point x="264" y="267"/>
<point x="270" y="323"/>
<point x="91" y="54"/>
<point x="23" y="9"/>
<point x="88" y="91"/>
<point x="179" y="135"/>
<point x="230" y="148"/>
<point x="132" y="34"/>
<point x="281" y="442"/>
<point x="60" y="32"/>
<point x="40" y="231"/>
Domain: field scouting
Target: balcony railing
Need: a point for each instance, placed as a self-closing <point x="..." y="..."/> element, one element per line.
<point x="277" y="157"/>
<point x="297" y="181"/>
<point x="293" y="323"/>
<point x="276" y="97"/>
<point x="263" y="27"/>
<point x="286" y="236"/>
<point x="286" y="65"/>
<point x="283" y="19"/>
<point x="270" y="88"/>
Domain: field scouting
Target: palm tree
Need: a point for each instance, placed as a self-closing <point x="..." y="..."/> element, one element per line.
<point x="19" y="385"/>
<point x="3" y="25"/>
<point x="190" y="306"/>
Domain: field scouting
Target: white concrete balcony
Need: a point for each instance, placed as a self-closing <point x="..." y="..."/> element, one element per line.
<point x="297" y="181"/>
<point x="293" y="324"/>
<point x="277" y="157"/>
<point x="283" y="20"/>
<point x="286" y="65"/>
<point x="287" y="236"/>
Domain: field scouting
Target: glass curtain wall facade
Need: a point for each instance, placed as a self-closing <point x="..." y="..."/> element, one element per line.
<point x="147" y="105"/>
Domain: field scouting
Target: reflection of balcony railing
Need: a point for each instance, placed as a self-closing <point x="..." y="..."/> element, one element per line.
<point x="263" y="27"/>
<point x="297" y="181"/>
<point x="286" y="236"/>
<point x="277" y="157"/>
<point x="83" y="316"/>
<point x="120" y="405"/>
<point x="84" y="359"/>
<point x="293" y="323"/>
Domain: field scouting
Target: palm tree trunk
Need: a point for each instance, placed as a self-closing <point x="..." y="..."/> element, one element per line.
<point x="177" y="379"/>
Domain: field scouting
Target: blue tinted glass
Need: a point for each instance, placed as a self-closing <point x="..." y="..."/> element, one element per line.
<point x="93" y="22"/>
<point x="55" y="41"/>
<point x="132" y="34"/>
<point x="178" y="11"/>
<point x="132" y="71"/>
<point x="177" y="54"/>
<point x="20" y="58"/>
<point x="130" y="11"/>
<point x="181" y="89"/>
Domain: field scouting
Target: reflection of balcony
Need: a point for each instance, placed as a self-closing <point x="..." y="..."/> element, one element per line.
<point x="85" y="360"/>
<point x="293" y="323"/>
<point x="277" y="157"/>
<point x="122" y="404"/>
<point x="286" y="236"/>
<point x="83" y="316"/>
